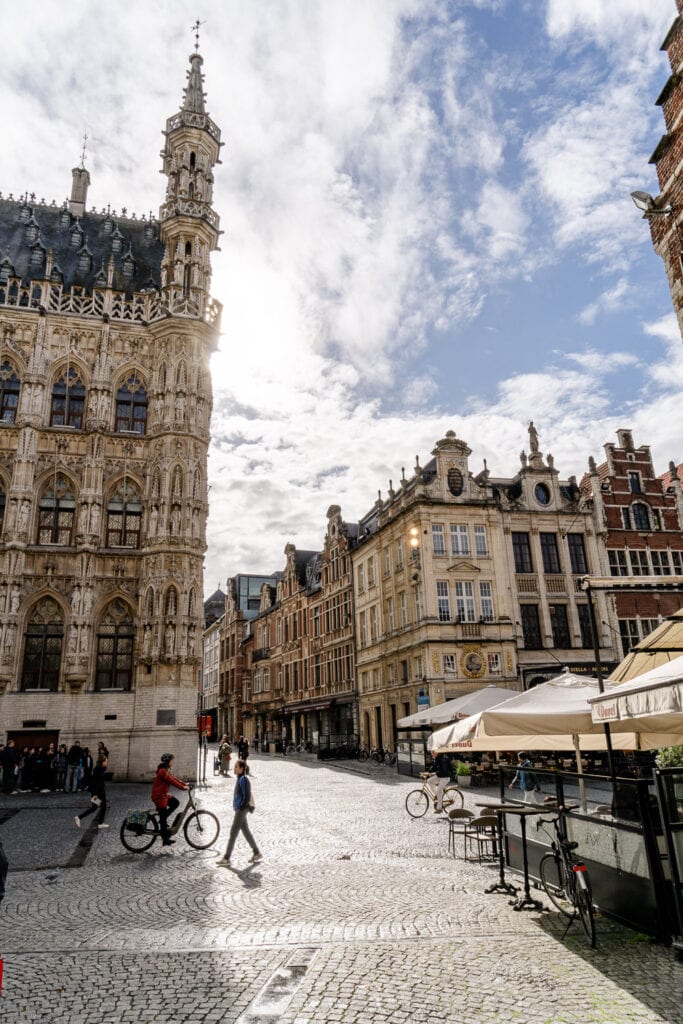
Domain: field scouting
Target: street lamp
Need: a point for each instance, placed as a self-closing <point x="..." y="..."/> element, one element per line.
<point x="648" y="207"/>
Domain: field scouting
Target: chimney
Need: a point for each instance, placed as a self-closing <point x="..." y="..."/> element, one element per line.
<point x="80" y="179"/>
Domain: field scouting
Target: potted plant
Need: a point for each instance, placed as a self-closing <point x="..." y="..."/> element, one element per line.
<point x="463" y="773"/>
<point x="669" y="757"/>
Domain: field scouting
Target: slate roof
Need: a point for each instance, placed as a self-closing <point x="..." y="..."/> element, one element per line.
<point x="80" y="247"/>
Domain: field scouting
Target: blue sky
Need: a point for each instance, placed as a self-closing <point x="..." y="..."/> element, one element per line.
<point x="427" y="227"/>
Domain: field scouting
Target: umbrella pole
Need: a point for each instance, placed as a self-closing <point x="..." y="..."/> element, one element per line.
<point x="579" y="769"/>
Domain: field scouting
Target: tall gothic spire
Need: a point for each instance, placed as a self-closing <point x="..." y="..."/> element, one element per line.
<point x="193" y="95"/>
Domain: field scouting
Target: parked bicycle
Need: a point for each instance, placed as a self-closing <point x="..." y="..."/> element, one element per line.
<point x="418" y="800"/>
<point x="363" y="754"/>
<point x="565" y="878"/>
<point x="389" y="758"/>
<point x="141" y="829"/>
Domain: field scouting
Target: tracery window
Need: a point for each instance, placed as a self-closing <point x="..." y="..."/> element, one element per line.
<point x="43" y="647"/>
<point x="68" y="400"/>
<point x="9" y="393"/>
<point x="124" y="516"/>
<point x="131" y="406"/>
<point x="56" y="512"/>
<point x="115" y="637"/>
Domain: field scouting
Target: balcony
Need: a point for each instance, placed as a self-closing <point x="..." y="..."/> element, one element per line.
<point x="527" y="583"/>
<point x="555" y="584"/>
<point x="470" y="630"/>
<point x="260" y="654"/>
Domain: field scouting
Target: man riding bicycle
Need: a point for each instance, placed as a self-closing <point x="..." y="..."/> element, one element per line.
<point x="439" y="780"/>
<point x="164" y="803"/>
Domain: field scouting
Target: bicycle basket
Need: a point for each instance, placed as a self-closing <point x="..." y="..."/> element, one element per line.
<point x="136" y="820"/>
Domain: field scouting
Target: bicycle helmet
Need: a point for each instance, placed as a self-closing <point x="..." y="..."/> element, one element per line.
<point x="166" y="758"/>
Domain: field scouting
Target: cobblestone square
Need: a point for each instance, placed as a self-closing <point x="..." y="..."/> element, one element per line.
<point x="358" y="915"/>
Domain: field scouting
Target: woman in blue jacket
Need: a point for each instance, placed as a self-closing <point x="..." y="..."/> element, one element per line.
<point x="242" y="804"/>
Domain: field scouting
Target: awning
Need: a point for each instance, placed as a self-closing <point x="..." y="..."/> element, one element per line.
<point x="651" y="703"/>
<point x="459" y="707"/>
<point x="306" y="705"/>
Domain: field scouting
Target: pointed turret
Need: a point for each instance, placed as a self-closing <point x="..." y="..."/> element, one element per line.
<point x="189" y="224"/>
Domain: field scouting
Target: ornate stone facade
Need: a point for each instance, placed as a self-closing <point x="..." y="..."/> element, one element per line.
<point x="107" y="327"/>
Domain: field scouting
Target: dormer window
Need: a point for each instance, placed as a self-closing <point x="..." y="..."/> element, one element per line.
<point x="76" y="239"/>
<point x="25" y="214"/>
<point x="128" y="267"/>
<point x="6" y="270"/>
<point x="32" y="232"/>
<point x="37" y="257"/>
<point x="116" y="241"/>
<point x="108" y="225"/>
<point x="542" y="494"/>
<point x="64" y="219"/>
<point x="56" y="276"/>
<point x="84" y="262"/>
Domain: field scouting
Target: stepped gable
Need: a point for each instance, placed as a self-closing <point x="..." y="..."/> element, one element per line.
<point x="78" y="250"/>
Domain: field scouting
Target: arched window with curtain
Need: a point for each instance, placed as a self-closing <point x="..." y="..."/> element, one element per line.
<point x="10" y="386"/>
<point x="640" y="516"/>
<point x="131" y="406"/>
<point x="124" y="516"/>
<point x="115" y="636"/>
<point x="68" y="400"/>
<point x="43" y="647"/>
<point x="56" y="512"/>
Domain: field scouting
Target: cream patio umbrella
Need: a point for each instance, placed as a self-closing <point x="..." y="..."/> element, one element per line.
<point x="555" y="715"/>
<point x="459" y="707"/>
<point x="650" y="705"/>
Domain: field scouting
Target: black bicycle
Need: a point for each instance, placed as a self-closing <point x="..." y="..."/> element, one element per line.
<point x="141" y="829"/>
<point x="565" y="878"/>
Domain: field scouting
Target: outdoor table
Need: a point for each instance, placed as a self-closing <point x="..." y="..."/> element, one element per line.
<point x="501" y="885"/>
<point x="523" y="811"/>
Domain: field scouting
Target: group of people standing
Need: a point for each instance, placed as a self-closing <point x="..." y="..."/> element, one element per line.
<point x="48" y="769"/>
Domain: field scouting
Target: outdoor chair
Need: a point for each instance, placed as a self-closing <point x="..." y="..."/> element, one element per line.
<point x="480" y="832"/>
<point x="457" y="822"/>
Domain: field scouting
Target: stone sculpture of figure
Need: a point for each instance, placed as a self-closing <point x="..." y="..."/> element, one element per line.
<point x="523" y="458"/>
<point x="550" y="460"/>
<point x="153" y="520"/>
<point x="672" y="470"/>
<point x="15" y="598"/>
<point x="3" y="598"/>
<point x="180" y="408"/>
<point x="88" y="600"/>
<point x="592" y="464"/>
<point x="73" y="640"/>
<point x="175" y="520"/>
<point x="533" y="437"/>
<point x="24" y="515"/>
<point x="147" y="642"/>
<point x="10" y="630"/>
<point x="95" y="518"/>
<point x="76" y="600"/>
<point x="195" y="523"/>
<point x="169" y="640"/>
<point x="190" y="642"/>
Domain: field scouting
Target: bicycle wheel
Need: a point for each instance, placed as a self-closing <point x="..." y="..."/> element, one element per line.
<point x="551" y="873"/>
<point x="201" y="829"/>
<point x="137" y="839"/>
<point x="417" y="803"/>
<point x="584" y="908"/>
<point x="452" y="797"/>
<point x="362" y="755"/>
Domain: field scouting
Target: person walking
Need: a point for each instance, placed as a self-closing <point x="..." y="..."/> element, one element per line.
<point x="224" y="755"/>
<point x="87" y="768"/>
<point x="74" y="763"/>
<point x="242" y="805"/>
<point x="243" y="748"/>
<point x="526" y="779"/>
<point x="59" y="766"/>
<point x="164" y="803"/>
<point x="9" y="768"/>
<point x="98" y="796"/>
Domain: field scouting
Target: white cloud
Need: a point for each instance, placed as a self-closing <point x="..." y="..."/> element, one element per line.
<point x="610" y="301"/>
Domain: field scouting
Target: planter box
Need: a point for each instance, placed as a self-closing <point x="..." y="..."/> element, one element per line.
<point x="463" y="780"/>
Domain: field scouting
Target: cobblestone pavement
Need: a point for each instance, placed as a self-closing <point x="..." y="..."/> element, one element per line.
<point x="357" y="914"/>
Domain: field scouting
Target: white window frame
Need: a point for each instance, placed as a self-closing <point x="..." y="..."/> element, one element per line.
<point x="450" y="665"/>
<point x="481" y="543"/>
<point x="494" y="664"/>
<point x="438" y="539"/>
<point x="464" y="601"/>
<point x="403" y="604"/>
<point x="443" y="601"/>
<point x="460" y="539"/>
<point x="486" y="600"/>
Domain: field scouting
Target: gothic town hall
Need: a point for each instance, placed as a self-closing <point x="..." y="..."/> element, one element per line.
<point x="107" y="326"/>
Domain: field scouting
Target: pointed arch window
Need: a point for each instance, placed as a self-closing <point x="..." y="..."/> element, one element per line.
<point x="43" y="647"/>
<point x="115" y="638"/>
<point x="124" y="515"/>
<point x="68" y="401"/>
<point x="131" y="406"/>
<point x="149" y="604"/>
<point x="56" y="513"/>
<point x="9" y="393"/>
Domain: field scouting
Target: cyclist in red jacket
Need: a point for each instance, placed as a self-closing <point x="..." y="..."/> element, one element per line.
<point x="164" y="803"/>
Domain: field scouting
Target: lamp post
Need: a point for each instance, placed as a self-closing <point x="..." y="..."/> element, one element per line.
<point x="586" y="587"/>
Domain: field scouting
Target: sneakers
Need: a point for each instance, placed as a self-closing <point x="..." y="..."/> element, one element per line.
<point x="222" y="863"/>
<point x="77" y="822"/>
<point x="103" y="825"/>
<point x="256" y="859"/>
<point x="168" y="842"/>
